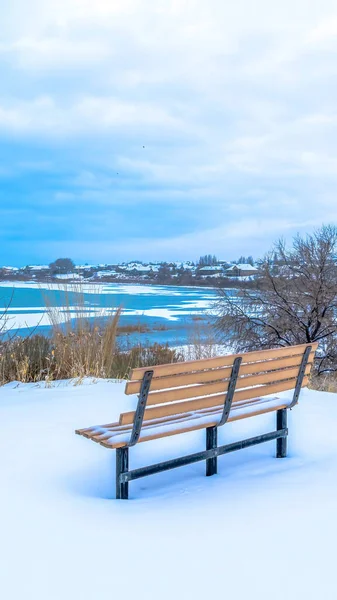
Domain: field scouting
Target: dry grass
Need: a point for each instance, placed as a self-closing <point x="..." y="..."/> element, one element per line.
<point x="77" y="348"/>
<point x="90" y="354"/>
<point x="137" y="328"/>
<point x="84" y="345"/>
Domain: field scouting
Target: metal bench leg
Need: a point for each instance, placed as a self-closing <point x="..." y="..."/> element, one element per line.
<point x="212" y="432"/>
<point x="122" y="466"/>
<point x="281" y="443"/>
<point x="211" y="443"/>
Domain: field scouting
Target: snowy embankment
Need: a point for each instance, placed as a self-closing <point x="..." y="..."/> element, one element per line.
<point x="262" y="528"/>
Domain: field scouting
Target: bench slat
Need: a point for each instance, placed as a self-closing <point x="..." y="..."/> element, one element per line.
<point x="100" y="432"/>
<point x="175" y="381"/>
<point x="87" y="430"/>
<point x="209" y="401"/>
<point x="195" y="391"/>
<point x="220" y="361"/>
<point x="193" y="425"/>
<point x="113" y="430"/>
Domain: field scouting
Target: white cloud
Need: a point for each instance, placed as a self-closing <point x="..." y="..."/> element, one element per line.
<point x="44" y="116"/>
<point x="55" y="53"/>
<point x="326" y="30"/>
<point x="233" y="101"/>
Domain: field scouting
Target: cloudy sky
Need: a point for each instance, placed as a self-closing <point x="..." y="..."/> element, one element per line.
<point x="164" y="129"/>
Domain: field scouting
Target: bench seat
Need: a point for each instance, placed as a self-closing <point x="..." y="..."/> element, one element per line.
<point x="114" y="435"/>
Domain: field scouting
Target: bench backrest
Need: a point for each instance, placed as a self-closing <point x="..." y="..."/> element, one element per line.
<point x="180" y="388"/>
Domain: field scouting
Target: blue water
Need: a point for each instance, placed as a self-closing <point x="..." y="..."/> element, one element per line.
<point x="170" y="313"/>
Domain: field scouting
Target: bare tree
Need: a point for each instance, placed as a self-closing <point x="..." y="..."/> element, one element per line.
<point x="293" y="301"/>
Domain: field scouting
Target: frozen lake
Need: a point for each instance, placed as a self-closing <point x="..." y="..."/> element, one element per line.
<point x="168" y="313"/>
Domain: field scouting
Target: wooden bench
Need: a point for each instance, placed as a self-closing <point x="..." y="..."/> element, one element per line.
<point x="205" y="394"/>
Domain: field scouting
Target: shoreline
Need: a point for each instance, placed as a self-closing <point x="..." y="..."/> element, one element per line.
<point x="74" y="282"/>
<point x="225" y="283"/>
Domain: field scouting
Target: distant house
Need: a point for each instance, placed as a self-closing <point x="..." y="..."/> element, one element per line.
<point x="106" y="273"/>
<point x="187" y="265"/>
<point x="136" y="268"/>
<point x="241" y="270"/>
<point x="143" y="270"/>
<point x="210" y="270"/>
<point x="70" y="276"/>
<point x="90" y="267"/>
<point x="36" y="270"/>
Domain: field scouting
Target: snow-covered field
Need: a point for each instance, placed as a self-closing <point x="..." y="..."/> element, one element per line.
<point x="261" y="529"/>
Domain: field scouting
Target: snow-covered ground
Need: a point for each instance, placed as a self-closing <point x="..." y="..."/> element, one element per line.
<point x="261" y="529"/>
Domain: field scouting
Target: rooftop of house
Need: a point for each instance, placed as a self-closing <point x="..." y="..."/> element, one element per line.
<point x="38" y="267"/>
<point x="242" y="267"/>
<point x="91" y="266"/>
<point x="10" y="268"/>
<point x="106" y="273"/>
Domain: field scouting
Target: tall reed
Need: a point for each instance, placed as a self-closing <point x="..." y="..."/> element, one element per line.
<point x="82" y="343"/>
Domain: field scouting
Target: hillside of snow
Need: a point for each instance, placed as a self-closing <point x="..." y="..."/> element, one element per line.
<point x="261" y="529"/>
